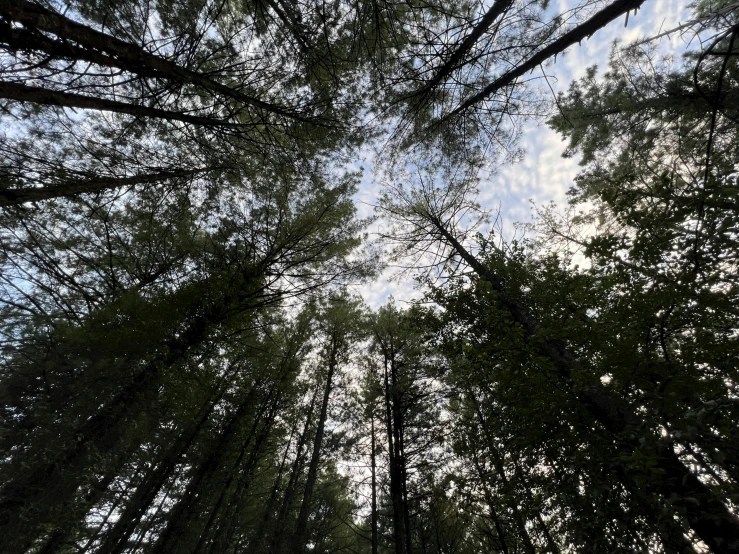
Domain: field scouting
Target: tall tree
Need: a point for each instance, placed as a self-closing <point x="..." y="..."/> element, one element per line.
<point x="428" y="215"/>
<point x="338" y="321"/>
<point x="410" y="414"/>
<point x="236" y="270"/>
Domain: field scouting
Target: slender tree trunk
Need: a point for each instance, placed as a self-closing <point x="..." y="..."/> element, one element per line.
<point x="582" y="31"/>
<point x="278" y="537"/>
<point x="497" y="9"/>
<point x="27" y="502"/>
<point x="302" y="524"/>
<point x="43" y="489"/>
<point x="257" y="542"/>
<point x="404" y="489"/>
<point x="551" y="544"/>
<point x="437" y="523"/>
<point x="500" y="470"/>
<point x="398" y="431"/>
<point x="15" y="196"/>
<point x="142" y="534"/>
<point x="212" y="524"/>
<point x="424" y="546"/>
<point x="375" y="541"/>
<point x="491" y="504"/>
<point x="115" y="541"/>
<point x="222" y="526"/>
<point x="61" y="538"/>
<point x="49" y="97"/>
<point x="705" y="465"/>
<point x="178" y="519"/>
<point x="396" y="490"/>
<point x="225" y="526"/>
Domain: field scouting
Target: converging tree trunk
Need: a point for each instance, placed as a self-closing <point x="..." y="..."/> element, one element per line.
<point x="393" y="416"/>
<point x="14" y="196"/>
<point x="115" y="540"/>
<point x="302" y="523"/>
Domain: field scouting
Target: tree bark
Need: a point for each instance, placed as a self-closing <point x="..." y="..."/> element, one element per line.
<point x="399" y="430"/>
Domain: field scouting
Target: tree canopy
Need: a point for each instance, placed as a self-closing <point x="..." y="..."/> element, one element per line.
<point x="186" y="362"/>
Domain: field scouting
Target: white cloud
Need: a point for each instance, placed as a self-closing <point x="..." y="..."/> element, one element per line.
<point x="543" y="175"/>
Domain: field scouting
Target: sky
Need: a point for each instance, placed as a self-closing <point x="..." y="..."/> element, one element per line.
<point x="542" y="175"/>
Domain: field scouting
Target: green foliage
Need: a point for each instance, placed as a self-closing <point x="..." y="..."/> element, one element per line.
<point x="183" y="368"/>
<point x="667" y="185"/>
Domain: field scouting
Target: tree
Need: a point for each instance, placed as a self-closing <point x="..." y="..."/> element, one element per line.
<point x="249" y="262"/>
<point x="172" y="104"/>
<point x="409" y="412"/>
<point x="430" y="215"/>
<point x="182" y="370"/>
<point x="338" y="320"/>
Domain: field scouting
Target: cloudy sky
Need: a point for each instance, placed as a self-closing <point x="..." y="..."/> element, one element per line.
<point x="542" y="176"/>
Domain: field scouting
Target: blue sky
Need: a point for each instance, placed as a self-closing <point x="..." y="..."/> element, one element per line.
<point x="542" y="176"/>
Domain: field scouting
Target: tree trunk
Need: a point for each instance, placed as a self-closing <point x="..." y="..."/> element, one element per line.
<point x="61" y="538"/>
<point x="375" y="542"/>
<point x="396" y="489"/>
<point x="115" y="540"/>
<point x="278" y="538"/>
<point x="302" y="524"/>
<point x="15" y="196"/>
<point x="38" y="493"/>
<point x="491" y="504"/>
<point x="27" y="501"/>
<point x="582" y="31"/>
<point x="225" y="525"/>
<point x="398" y="431"/>
<point x="500" y="470"/>
<point x="42" y="490"/>
<point x="453" y="62"/>
<point x="551" y="545"/>
<point x="178" y="519"/>
<point x="48" y="97"/>
<point x="256" y="544"/>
